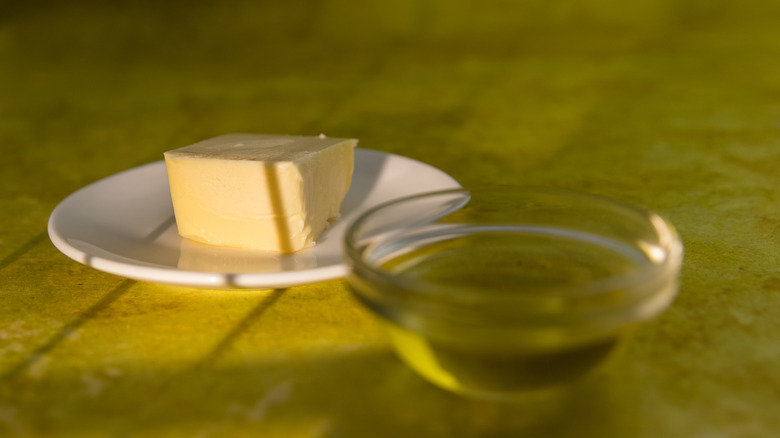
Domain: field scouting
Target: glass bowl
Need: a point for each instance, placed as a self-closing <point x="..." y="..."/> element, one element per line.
<point x="498" y="293"/>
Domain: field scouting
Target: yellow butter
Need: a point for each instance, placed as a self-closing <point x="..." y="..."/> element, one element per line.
<point x="260" y="192"/>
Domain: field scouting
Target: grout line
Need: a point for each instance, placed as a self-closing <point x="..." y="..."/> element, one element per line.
<point x="241" y="327"/>
<point x="68" y="329"/>
<point x="136" y="422"/>
<point x="22" y="250"/>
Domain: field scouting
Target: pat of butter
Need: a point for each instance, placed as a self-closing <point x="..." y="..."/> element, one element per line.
<point x="261" y="192"/>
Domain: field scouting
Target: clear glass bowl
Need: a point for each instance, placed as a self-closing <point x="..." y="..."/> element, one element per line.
<point x="501" y="292"/>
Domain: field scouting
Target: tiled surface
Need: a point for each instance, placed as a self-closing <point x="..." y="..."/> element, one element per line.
<point x="670" y="105"/>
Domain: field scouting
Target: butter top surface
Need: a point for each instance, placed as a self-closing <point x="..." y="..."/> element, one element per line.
<point x="257" y="147"/>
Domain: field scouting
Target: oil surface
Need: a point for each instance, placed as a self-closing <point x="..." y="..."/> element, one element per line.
<point x="515" y="260"/>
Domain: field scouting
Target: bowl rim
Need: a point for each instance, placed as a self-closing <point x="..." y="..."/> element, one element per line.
<point x="645" y="274"/>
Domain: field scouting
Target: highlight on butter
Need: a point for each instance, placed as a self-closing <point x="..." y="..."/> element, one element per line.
<point x="260" y="192"/>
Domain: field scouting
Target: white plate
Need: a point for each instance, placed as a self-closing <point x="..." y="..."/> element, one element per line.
<point x="124" y="225"/>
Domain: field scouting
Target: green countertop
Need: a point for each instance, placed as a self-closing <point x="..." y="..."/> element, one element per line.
<point x="670" y="105"/>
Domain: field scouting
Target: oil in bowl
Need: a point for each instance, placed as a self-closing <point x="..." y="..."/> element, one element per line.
<point x="501" y="293"/>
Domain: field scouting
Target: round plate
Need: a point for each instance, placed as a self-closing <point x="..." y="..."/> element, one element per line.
<point x="124" y="225"/>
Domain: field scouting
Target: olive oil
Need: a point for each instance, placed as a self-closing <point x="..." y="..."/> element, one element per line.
<point x="501" y="373"/>
<point x="514" y="261"/>
<point x="504" y="356"/>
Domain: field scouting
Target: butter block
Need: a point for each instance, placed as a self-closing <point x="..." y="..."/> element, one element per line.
<point x="260" y="192"/>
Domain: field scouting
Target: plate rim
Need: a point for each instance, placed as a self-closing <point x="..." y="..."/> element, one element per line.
<point x="197" y="279"/>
